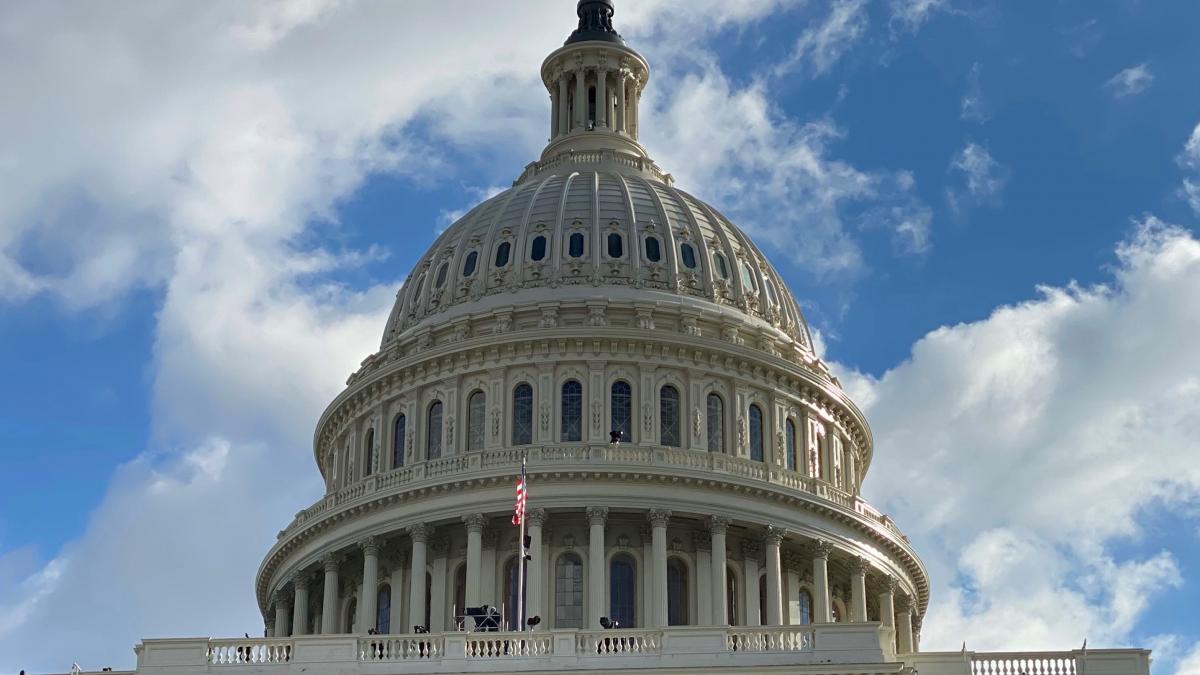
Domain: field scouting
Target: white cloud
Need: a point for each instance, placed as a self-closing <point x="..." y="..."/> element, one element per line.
<point x="983" y="178"/>
<point x="1190" y="665"/>
<point x="912" y="14"/>
<point x="819" y="47"/>
<point x="1190" y="159"/>
<point x="972" y="107"/>
<point x="1132" y="80"/>
<point x="1039" y="437"/>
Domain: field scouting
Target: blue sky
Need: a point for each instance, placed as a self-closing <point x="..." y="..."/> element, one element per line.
<point x="984" y="207"/>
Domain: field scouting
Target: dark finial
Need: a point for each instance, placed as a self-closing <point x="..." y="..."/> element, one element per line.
<point x="595" y="22"/>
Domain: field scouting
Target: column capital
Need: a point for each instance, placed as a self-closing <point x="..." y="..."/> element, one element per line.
<point x="793" y="561"/>
<point x="751" y="548"/>
<point x="419" y="532"/>
<point x="300" y="580"/>
<point x="536" y="517"/>
<point x="904" y="604"/>
<point x="370" y="545"/>
<point x="774" y="535"/>
<point x="281" y="598"/>
<point x="890" y="584"/>
<point x="475" y="522"/>
<point x="821" y="549"/>
<point x="859" y="565"/>
<point x="331" y="562"/>
<point x="597" y="515"/>
<point x="659" y="517"/>
<point x="718" y="524"/>
<point x="701" y="541"/>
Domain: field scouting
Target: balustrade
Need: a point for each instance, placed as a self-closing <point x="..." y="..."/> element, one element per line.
<point x="619" y="642"/>
<point x="1023" y="664"/>
<point x="786" y="639"/>
<point x="495" y="645"/>
<point x="402" y="648"/>
<point x="249" y="651"/>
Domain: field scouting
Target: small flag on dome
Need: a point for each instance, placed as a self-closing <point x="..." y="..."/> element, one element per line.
<point x="522" y="495"/>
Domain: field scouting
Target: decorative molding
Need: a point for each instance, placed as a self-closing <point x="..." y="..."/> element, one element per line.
<point x="822" y="549"/>
<point x="370" y="546"/>
<point x="597" y="515"/>
<point x="536" y="517"/>
<point x="718" y="524"/>
<point x="774" y="535"/>
<point x="419" y="532"/>
<point x="659" y="518"/>
<point x="475" y="522"/>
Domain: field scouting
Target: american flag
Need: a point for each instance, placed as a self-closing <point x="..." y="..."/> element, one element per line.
<point x="522" y="495"/>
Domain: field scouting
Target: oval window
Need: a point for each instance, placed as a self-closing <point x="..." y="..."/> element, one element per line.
<point x="539" y="248"/>
<point x="469" y="265"/>
<point x="616" y="247"/>
<point x="653" y="251"/>
<point x="689" y="256"/>
<point x="722" y="266"/>
<point x="747" y="277"/>
<point x="441" y="277"/>
<point x="575" y="248"/>
<point x="502" y="254"/>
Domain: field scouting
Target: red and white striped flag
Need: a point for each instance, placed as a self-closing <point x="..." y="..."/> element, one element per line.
<point x="522" y="495"/>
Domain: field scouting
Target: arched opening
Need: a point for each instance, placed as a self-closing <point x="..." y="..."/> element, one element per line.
<point x="460" y="596"/>
<point x="616" y="246"/>
<point x="476" y="414"/>
<point x="790" y="439"/>
<point x="470" y="263"/>
<point x="575" y="245"/>
<point x="572" y="411"/>
<point x="429" y="600"/>
<point x="433" y="432"/>
<point x="522" y="415"/>
<point x="653" y="249"/>
<point x="756" y="433"/>
<point x="677" y="593"/>
<point x="721" y="265"/>
<point x="748" y="277"/>
<point x="383" y="613"/>
<point x="512" y="571"/>
<point x="731" y="597"/>
<point x="441" y="275"/>
<point x="400" y="429"/>
<point x="622" y="598"/>
<point x="806" y="607"/>
<point x="537" y="251"/>
<point x="369" y="453"/>
<point x="502" y="254"/>
<point x="568" y="591"/>
<point x="716" y="423"/>
<point x="351" y="618"/>
<point x="837" y="610"/>
<point x="668" y="416"/>
<point x="689" y="256"/>
<point x="621" y="410"/>
<point x="762" y="600"/>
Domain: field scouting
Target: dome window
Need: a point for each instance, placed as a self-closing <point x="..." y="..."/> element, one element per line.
<point x="756" y="433"/>
<point x="616" y="246"/>
<point x="668" y="416"/>
<point x="748" y="277"/>
<point x="689" y="256"/>
<point x="469" y="265"/>
<point x="575" y="245"/>
<point x="502" y="252"/>
<point x="721" y="265"/>
<point x="441" y="275"/>
<point x="653" y="250"/>
<point x="522" y="420"/>
<point x="538" y="251"/>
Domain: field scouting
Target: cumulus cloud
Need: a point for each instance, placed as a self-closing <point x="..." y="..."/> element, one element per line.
<point x="820" y="46"/>
<point x="981" y="178"/>
<point x="1190" y="664"/>
<point x="1130" y="81"/>
<point x="1025" y="432"/>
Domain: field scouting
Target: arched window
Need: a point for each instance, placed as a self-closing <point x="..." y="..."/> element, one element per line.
<point x="762" y="600"/>
<point x="756" y="433"/>
<point x="470" y="263"/>
<point x="622" y="574"/>
<point x="441" y="275"/>
<point x="568" y="592"/>
<point x="616" y="246"/>
<point x="721" y="265"/>
<point x="522" y="415"/>
<point x="433" y="432"/>
<point x="428" y="599"/>
<point x="677" y="593"/>
<point x="668" y="415"/>
<point x="383" y="615"/>
<point x="502" y="252"/>
<point x="511" y="570"/>
<point x="716" y="423"/>
<point x="538" y="249"/>
<point x="398" y="442"/>
<point x="790" y="438"/>
<point x="806" y="607"/>
<point x="369" y="453"/>
<point x="476" y="412"/>
<point x="771" y="292"/>
<point x="572" y="411"/>
<point x="689" y="256"/>
<point x="351" y="622"/>
<point x="653" y="249"/>
<point x="621" y="405"/>
<point x="747" y="277"/>
<point x="731" y="597"/>
<point x="460" y="596"/>
<point x="416" y="296"/>
<point x="575" y="245"/>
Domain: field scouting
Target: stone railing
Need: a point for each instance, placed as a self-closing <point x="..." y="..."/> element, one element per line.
<point x="249" y="651"/>
<point x="493" y="461"/>
<point x="619" y="642"/>
<point x="790" y="639"/>
<point x="1078" y="662"/>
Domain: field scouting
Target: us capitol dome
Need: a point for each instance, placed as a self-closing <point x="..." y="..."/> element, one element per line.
<point x="694" y="472"/>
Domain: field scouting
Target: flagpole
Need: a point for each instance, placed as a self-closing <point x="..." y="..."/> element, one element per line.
<point x="521" y="552"/>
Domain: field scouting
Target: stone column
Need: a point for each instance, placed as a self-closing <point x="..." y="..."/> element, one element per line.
<point x="597" y="516"/>
<point x="440" y="547"/>
<point x="581" y="99"/>
<point x="370" y="593"/>
<point x="750" y="551"/>
<point x="904" y="627"/>
<point x="475" y="523"/>
<point x="887" y="604"/>
<point x="330" y="597"/>
<point x="564" y="110"/>
<point x="620" y="122"/>
<point x="601" y="98"/>
<point x="281" y="614"/>
<point x="633" y="110"/>
<point x="717" y="525"/>
<point x="534" y="520"/>
<point x="772" y="540"/>
<point x="703" y="546"/>
<point x="858" y="590"/>
<point x="300" y="605"/>
<point x="792" y="564"/>
<point x="658" y="523"/>
<point x="821" y="610"/>
<point x="488" y="595"/>
<point x="416" y="582"/>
